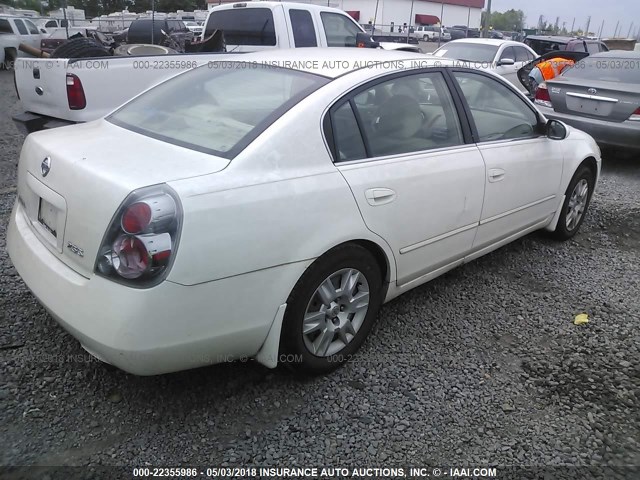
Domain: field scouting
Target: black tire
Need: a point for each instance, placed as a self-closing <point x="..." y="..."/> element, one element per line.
<point x="562" y="231"/>
<point x="80" y="48"/>
<point x="292" y="345"/>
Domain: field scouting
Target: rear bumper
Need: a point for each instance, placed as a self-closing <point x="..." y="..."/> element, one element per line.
<point x="623" y="135"/>
<point x="28" y="122"/>
<point x="166" y="328"/>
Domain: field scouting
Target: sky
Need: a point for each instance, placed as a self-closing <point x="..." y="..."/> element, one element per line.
<point x="611" y="11"/>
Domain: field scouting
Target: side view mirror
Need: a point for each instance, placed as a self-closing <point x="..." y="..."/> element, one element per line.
<point x="364" y="40"/>
<point x="507" y="62"/>
<point x="556" y="130"/>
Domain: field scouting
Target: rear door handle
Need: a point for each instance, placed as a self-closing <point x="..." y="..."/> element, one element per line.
<point x="379" y="196"/>
<point x="496" y="174"/>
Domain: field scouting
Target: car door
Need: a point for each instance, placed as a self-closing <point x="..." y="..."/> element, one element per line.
<point x="413" y="169"/>
<point x="523" y="165"/>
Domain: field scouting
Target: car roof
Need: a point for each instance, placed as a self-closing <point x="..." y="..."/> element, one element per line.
<point x="259" y="4"/>
<point x="635" y="55"/>
<point x="334" y="62"/>
<point x="486" y="41"/>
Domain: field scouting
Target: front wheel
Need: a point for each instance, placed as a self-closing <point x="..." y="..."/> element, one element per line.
<point x="331" y="310"/>
<point x="576" y="204"/>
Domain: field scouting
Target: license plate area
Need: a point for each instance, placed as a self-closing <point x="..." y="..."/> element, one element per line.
<point x="589" y="107"/>
<point x="48" y="217"/>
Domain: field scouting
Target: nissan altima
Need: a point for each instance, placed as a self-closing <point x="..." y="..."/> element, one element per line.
<point x="267" y="207"/>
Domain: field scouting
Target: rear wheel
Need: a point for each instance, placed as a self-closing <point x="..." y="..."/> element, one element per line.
<point x="331" y="310"/>
<point x="576" y="203"/>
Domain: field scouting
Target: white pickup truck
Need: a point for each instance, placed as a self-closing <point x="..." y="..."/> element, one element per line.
<point x="15" y="30"/>
<point x="56" y="92"/>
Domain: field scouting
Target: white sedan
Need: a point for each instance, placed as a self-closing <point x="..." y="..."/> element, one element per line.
<point x="504" y="57"/>
<point x="268" y="206"/>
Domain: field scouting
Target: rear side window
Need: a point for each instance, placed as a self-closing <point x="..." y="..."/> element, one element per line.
<point x="20" y="26"/>
<point x="5" y="26"/>
<point x="348" y="141"/>
<point x="247" y="26"/>
<point x="304" y="33"/>
<point x="340" y="31"/>
<point x="578" y="47"/>
<point x="522" y="54"/>
<point x="50" y="24"/>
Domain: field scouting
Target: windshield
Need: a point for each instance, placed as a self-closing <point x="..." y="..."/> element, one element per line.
<point x="470" y="52"/>
<point x="619" y="70"/>
<point x="217" y="108"/>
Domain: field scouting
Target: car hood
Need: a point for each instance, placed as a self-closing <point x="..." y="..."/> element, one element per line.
<point x="523" y="73"/>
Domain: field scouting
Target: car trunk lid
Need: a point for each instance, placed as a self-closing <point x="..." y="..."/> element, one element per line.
<point x="72" y="180"/>
<point x="610" y="101"/>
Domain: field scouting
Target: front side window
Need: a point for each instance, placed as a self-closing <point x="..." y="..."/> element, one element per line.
<point x="498" y="112"/>
<point x="20" y="26"/>
<point x="216" y="110"/>
<point x="522" y="54"/>
<point x="339" y="30"/>
<point x="508" y="52"/>
<point x="50" y="24"/>
<point x="304" y="33"/>
<point x="406" y="114"/>
<point x="5" y="26"/>
<point x="246" y="26"/>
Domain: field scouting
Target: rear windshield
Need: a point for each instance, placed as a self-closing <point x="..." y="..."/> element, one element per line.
<point x="470" y="52"/>
<point x="247" y="26"/>
<point x="620" y="70"/>
<point x="217" y="108"/>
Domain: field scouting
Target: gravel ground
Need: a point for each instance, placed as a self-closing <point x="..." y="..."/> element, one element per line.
<point x="481" y="366"/>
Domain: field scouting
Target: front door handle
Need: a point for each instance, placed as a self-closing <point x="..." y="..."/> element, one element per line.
<point x="496" y="174"/>
<point x="379" y="196"/>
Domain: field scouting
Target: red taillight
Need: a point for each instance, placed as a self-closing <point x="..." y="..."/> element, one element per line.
<point x="139" y="244"/>
<point x="75" y="93"/>
<point x="635" y="116"/>
<point x="136" y="218"/>
<point x="542" y="96"/>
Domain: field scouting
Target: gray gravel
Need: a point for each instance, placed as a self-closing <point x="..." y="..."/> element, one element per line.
<point x="481" y="366"/>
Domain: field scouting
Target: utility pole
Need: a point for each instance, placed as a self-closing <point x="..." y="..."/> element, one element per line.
<point x="441" y="24"/>
<point x="409" y="23"/>
<point x="573" y="24"/>
<point x="555" y="27"/>
<point x="630" y="28"/>
<point x="601" y="30"/>
<point x="375" y="18"/>
<point x="615" y="32"/>
<point x="588" y="23"/>
<point x="487" y="21"/>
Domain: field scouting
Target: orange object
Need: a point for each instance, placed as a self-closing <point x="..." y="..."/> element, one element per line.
<point x="553" y="67"/>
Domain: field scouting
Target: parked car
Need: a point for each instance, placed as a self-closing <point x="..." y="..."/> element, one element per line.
<point x="469" y="32"/>
<point x="543" y="44"/>
<point x="430" y="33"/>
<point x="194" y="27"/>
<point x="601" y="96"/>
<point x="168" y="32"/>
<point x="496" y="34"/>
<point x="47" y="25"/>
<point x="72" y="93"/>
<point x="503" y="57"/>
<point x="60" y="35"/>
<point x="456" y="34"/>
<point x="154" y="213"/>
<point x="15" y="30"/>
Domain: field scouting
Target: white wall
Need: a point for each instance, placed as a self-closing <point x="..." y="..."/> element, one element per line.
<point x="399" y="11"/>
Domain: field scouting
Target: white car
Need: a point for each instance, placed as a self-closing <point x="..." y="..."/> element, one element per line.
<point x="208" y="220"/>
<point x="194" y="27"/>
<point x="14" y="31"/>
<point x="503" y="57"/>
